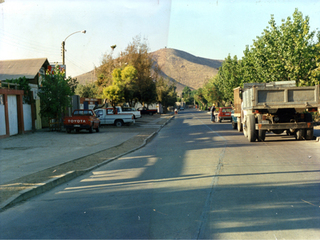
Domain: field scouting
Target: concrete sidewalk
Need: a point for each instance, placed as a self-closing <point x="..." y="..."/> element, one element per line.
<point x="26" y="155"/>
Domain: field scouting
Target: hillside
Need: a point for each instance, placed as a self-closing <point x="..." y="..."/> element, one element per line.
<point x="180" y="67"/>
<point x="185" y="69"/>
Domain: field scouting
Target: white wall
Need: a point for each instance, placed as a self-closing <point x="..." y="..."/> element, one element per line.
<point x="2" y="120"/>
<point x="27" y="117"/>
<point x="13" y="114"/>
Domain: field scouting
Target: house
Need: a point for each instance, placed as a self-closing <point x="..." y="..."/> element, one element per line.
<point x="15" y="116"/>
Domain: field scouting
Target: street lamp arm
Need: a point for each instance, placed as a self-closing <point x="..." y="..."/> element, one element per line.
<point x="83" y="31"/>
<point x="64" y="43"/>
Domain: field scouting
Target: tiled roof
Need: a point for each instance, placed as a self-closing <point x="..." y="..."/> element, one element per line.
<point x="13" y="69"/>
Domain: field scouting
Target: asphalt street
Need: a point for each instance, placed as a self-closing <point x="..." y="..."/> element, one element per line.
<point x="194" y="180"/>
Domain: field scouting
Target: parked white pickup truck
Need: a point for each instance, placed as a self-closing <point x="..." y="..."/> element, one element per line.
<point x="136" y="113"/>
<point x="108" y="116"/>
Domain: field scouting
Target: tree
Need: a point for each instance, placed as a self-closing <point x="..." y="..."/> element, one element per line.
<point x="186" y="94"/>
<point x="285" y="52"/>
<point x="211" y="92"/>
<point x="166" y="94"/>
<point x="136" y="54"/>
<point x="89" y="90"/>
<point x="55" y="94"/>
<point x="229" y="77"/>
<point x="200" y="99"/>
<point x="123" y="86"/>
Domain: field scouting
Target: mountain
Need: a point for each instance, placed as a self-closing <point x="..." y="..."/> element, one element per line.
<point x="180" y="67"/>
<point x="88" y="77"/>
<point x="185" y="69"/>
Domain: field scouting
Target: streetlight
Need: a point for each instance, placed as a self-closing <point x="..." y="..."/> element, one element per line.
<point x="64" y="43"/>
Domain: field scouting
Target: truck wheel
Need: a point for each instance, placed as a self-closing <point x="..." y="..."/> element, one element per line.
<point x="239" y="124"/>
<point x="245" y="127"/>
<point x="234" y="125"/>
<point x="118" y="123"/>
<point x="90" y="129"/>
<point x="300" y="133"/>
<point x="98" y="128"/>
<point x="261" y="133"/>
<point x="251" y="128"/>
<point x="309" y="134"/>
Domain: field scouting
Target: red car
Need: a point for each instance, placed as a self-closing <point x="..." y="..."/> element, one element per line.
<point x="224" y="114"/>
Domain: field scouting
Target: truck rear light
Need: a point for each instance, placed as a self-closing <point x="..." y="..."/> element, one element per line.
<point x="312" y="109"/>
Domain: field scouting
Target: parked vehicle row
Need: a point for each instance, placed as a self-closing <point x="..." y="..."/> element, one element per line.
<point x="82" y="119"/>
<point x="145" y="110"/>
<point x="88" y="119"/>
<point x="136" y="113"/>
<point x="109" y="116"/>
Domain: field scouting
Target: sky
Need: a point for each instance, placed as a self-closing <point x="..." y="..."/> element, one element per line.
<point x="205" y="28"/>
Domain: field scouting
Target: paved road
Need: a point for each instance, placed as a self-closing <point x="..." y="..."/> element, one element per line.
<point x="194" y="180"/>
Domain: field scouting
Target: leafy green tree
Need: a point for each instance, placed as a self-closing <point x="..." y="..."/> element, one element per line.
<point x="285" y="52"/>
<point x="123" y="86"/>
<point x="166" y="93"/>
<point x="136" y="54"/>
<point x="114" y="94"/>
<point x="186" y="95"/>
<point x="89" y="90"/>
<point x="200" y="99"/>
<point x="55" y="94"/>
<point x="229" y="77"/>
<point x="211" y="92"/>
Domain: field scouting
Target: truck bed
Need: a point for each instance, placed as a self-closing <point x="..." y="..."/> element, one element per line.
<point x="262" y="96"/>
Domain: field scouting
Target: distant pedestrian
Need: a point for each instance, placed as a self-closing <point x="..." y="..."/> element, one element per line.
<point x="212" y="110"/>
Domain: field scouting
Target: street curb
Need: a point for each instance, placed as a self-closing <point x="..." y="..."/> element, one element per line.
<point x="52" y="183"/>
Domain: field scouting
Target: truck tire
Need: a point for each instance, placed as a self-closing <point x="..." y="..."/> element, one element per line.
<point x="309" y="134"/>
<point x="98" y="128"/>
<point x="239" y="124"/>
<point x="245" y="127"/>
<point x="300" y="134"/>
<point x="251" y="128"/>
<point x="261" y="133"/>
<point x="234" y="125"/>
<point x="118" y="123"/>
<point x="90" y="129"/>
